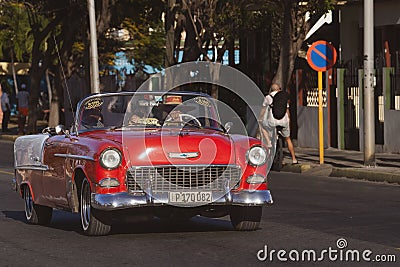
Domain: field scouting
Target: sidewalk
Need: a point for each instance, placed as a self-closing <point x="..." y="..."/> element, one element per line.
<point x="337" y="163"/>
<point x="344" y="163"/>
<point x="13" y="127"/>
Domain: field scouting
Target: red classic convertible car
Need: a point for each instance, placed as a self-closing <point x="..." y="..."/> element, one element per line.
<point x="163" y="154"/>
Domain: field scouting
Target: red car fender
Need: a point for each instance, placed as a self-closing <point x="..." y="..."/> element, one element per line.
<point x="28" y="184"/>
<point x="242" y="145"/>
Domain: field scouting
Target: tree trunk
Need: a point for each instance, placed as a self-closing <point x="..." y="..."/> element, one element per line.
<point x="215" y="72"/>
<point x="104" y="17"/>
<point x="35" y="73"/>
<point x="170" y="37"/>
<point x="35" y="76"/>
<point x="191" y="50"/>
<point x="39" y="63"/>
<point x="282" y="73"/>
<point x="14" y="74"/>
<point x="54" y="101"/>
<point x="294" y="29"/>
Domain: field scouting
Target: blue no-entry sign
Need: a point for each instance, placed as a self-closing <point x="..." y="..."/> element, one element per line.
<point x="321" y="56"/>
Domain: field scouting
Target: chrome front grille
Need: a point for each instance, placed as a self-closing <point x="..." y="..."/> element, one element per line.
<point x="186" y="177"/>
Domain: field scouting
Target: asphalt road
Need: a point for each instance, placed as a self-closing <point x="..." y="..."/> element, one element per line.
<point x="309" y="213"/>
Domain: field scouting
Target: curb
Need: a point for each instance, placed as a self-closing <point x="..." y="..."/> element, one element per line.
<point x="352" y="173"/>
<point x="296" y="168"/>
<point x="8" y="137"/>
<point x="375" y="176"/>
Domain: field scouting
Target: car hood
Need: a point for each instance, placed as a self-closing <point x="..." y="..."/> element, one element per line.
<point x="173" y="146"/>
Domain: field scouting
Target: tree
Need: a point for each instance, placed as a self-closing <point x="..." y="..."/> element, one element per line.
<point x="56" y="45"/>
<point x="293" y="18"/>
<point x="213" y="25"/>
<point x="207" y="25"/>
<point x="42" y="26"/>
<point x="142" y="20"/>
<point x="15" y="41"/>
<point x="209" y="28"/>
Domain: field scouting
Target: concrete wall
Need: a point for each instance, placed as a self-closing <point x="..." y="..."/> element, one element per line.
<point x="392" y="117"/>
<point x="307" y="120"/>
<point x="391" y="131"/>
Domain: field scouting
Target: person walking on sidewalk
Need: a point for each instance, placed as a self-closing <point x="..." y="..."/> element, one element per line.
<point x="23" y="104"/>
<point x="269" y="122"/>
<point x="6" y="108"/>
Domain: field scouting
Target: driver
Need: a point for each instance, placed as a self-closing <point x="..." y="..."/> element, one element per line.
<point x="180" y="115"/>
<point x="174" y="115"/>
<point x="92" y="118"/>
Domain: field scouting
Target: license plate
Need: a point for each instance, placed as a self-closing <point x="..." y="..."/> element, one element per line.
<point x="189" y="197"/>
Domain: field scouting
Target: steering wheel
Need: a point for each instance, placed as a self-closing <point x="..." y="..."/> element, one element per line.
<point x="191" y="118"/>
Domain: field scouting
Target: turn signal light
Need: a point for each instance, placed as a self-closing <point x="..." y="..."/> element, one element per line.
<point x="109" y="182"/>
<point x="256" y="179"/>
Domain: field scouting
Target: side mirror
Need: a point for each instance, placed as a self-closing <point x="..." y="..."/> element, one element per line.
<point x="60" y="130"/>
<point x="228" y="126"/>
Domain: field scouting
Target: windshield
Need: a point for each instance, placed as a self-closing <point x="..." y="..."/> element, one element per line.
<point x="150" y="109"/>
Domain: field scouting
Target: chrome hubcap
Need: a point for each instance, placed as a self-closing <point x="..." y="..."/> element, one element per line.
<point x="28" y="203"/>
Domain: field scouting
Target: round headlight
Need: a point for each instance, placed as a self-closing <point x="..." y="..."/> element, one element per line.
<point x="257" y="156"/>
<point x="110" y="158"/>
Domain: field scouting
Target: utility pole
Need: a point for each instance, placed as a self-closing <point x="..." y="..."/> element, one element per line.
<point x="369" y="105"/>
<point x="94" y="64"/>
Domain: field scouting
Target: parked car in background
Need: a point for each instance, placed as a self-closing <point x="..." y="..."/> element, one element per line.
<point x="162" y="154"/>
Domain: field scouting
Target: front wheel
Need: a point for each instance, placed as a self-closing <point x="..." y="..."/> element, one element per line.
<point x="246" y="218"/>
<point x="34" y="213"/>
<point x="90" y="218"/>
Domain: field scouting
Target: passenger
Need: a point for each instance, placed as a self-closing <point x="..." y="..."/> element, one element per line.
<point x="174" y="116"/>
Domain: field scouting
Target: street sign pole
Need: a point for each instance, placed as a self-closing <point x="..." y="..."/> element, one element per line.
<point x="320" y="119"/>
<point x="321" y="56"/>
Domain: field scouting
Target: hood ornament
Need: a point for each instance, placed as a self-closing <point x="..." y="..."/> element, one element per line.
<point x="183" y="155"/>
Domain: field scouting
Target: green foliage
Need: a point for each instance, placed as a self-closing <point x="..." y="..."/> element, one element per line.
<point x="320" y="7"/>
<point x="219" y="23"/>
<point x="147" y="42"/>
<point x="277" y="9"/>
<point x="233" y="18"/>
<point x="21" y="20"/>
<point x="142" y="19"/>
<point x="14" y="31"/>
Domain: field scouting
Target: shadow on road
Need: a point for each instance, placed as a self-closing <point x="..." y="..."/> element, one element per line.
<point x="362" y="210"/>
<point x="15" y="215"/>
<point x="66" y="221"/>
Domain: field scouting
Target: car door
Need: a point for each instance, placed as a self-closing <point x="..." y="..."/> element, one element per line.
<point x="55" y="157"/>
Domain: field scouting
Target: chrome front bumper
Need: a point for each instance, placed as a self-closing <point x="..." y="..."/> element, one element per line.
<point x="125" y="200"/>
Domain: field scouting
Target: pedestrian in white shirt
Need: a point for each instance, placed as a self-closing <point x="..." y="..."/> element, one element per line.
<point x="6" y="108"/>
<point x="269" y="122"/>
